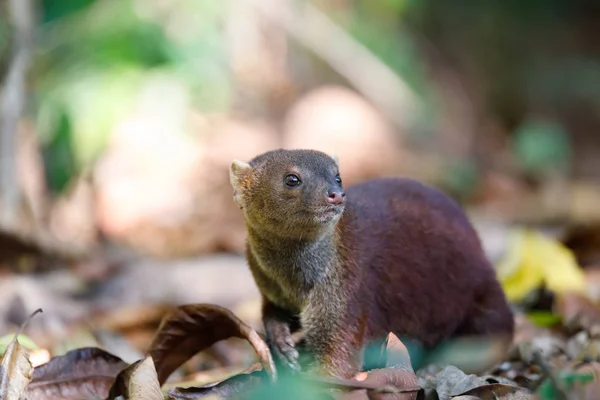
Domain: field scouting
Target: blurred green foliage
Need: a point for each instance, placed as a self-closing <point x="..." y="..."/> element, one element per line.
<point x="541" y="146"/>
<point x="94" y="57"/>
<point x="568" y="380"/>
<point x="515" y="59"/>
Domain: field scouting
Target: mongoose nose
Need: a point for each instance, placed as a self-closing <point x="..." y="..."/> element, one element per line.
<point x="336" y="198"/>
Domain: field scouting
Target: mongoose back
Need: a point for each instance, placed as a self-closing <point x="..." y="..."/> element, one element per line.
<point x="347" y="267"/>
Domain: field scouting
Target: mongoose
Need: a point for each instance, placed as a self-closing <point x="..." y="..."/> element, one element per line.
<point x="347" y="267"/>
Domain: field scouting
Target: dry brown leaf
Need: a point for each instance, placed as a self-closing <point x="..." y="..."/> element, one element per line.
<point x="138" y="382"/>
<point x="79" y="374"/>
<point x="190" y="329"/>
<point x="235" y="385"/>
<point x="451" y="382"/>
<point x="548" y="346"/>
<point x="578" y="312"/>
<point x="396" y="383"/>
<point x="524" y="375"/>
<point x="494" y="391"/>
<point x="15" y="371"/>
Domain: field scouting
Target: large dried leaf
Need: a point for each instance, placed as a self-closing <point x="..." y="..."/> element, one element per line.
<point x="79" y="374"/>
<point x="138" y="382"/>
<point x="396" y="383"/>
<point x="190" y="329"/>
<point x="236" y="385"/>
<point x="451" y="381"/>
<point x="15" y="371"/>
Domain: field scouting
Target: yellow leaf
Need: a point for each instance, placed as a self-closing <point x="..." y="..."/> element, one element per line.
<point x="533" y="259"/>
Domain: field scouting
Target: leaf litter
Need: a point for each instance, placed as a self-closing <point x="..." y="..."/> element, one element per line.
<point x="555" y="354"/>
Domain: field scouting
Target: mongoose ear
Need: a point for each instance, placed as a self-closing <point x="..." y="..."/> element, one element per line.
<point x="238" y="171"/>
<point x="335" y="158"/>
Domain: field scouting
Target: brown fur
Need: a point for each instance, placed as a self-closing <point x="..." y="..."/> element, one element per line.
<point x="398" y="257"/>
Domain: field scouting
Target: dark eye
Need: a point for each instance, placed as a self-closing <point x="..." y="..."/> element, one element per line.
<point x="292" y="180"/>
<point x="338" y="179"/>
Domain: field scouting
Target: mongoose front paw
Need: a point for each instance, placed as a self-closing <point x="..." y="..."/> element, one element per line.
<point x="284" y="351"/>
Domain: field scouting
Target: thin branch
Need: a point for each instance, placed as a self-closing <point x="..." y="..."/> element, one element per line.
<point x="12" y="103"/>
<point x="375" y="80"/>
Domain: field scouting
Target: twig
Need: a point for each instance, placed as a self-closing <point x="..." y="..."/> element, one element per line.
<point x="376" y="81"/>
<point x="12" y="104"/>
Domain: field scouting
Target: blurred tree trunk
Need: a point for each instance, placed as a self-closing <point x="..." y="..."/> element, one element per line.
<point x="12" y="103"/>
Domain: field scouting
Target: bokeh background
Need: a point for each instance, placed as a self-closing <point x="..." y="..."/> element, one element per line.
<point x="120" y="119"/>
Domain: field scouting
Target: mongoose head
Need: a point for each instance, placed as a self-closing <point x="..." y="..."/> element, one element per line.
<point x="289" y="192"/>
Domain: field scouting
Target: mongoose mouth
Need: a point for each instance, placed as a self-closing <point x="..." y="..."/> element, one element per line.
<point x="329" y="213"/>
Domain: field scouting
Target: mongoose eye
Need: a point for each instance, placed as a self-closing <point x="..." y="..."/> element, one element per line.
<point x="338" y="179"/>
<point x="292" y="180"/>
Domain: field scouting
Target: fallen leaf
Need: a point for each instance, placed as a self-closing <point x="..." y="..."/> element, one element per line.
<point x="137" y="382"/>
<point x="392" y="384"/>
<point x="16" y="368"/>
<point x="494" y="391"/>
<point x="532" y="260"/>
<point x="522" y="374"/>
<point x="578" y="312"/>
<point x="190" y="329"/>
<point x="547" y="346"/>
<point x="545" y="319"/>
<point x="389" y="352"/>
<point x="15" y="371"/>
<point x="396" y="354"/>
<point x="450" y="381"/>
<point x="396" y="383"/>
<point x="79" y="374"/>
<point x="239" y="384"/>
<point x="526" y="330"/>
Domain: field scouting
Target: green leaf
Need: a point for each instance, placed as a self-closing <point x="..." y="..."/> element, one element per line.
<point x="544" y="318"/>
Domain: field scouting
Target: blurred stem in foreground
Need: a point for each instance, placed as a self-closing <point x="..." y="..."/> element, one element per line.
<point x="12" y="103"/>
